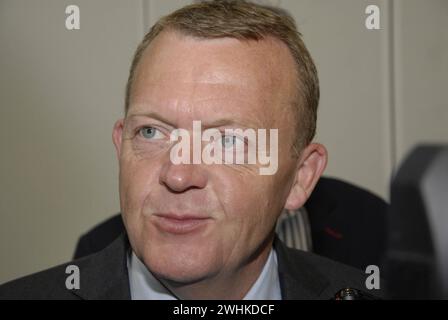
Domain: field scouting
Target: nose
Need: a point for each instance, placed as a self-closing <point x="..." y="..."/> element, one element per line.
<point x="182" y="177"/>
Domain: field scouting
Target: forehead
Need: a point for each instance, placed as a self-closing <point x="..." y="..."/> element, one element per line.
<point x="192" y="79"/>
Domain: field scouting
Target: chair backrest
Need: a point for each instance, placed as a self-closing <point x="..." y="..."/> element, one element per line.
<point x="348" y="223"/>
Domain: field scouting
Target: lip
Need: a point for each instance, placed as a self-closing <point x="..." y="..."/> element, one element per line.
<point x="180" y="223"/>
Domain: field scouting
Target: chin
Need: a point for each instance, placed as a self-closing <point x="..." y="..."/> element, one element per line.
<point x="182" y="265"/>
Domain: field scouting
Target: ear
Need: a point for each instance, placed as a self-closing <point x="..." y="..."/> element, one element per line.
<point x="117" y="136"/>
<point x="312" y="163"/>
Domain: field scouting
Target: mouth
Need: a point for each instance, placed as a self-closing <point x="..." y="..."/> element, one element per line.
<point x="179" y="223"/>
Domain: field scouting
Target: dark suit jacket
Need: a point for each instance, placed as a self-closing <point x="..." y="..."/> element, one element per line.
<point x="104" y="275"/>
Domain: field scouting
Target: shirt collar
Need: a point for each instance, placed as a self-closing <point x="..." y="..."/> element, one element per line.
<point x="144" y="286"/>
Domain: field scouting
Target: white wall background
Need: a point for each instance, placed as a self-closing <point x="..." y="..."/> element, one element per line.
<point x="383" y="91"/>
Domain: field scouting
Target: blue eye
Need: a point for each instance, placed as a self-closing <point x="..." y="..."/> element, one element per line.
<point x="228" y="141"/>
<point x="150" y="133"/>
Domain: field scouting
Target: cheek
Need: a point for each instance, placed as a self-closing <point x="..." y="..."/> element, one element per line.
<point x="136" y="178"/>
<point x="246" y="201"/>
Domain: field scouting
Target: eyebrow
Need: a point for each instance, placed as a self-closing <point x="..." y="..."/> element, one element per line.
<point x="152" y="115"/>
<point x="241" y="123"/>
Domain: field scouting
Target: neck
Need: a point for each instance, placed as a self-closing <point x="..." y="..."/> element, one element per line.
<point x="231" y="285"/>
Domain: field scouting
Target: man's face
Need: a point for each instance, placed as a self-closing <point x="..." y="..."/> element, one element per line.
<point x="191" y="222"/>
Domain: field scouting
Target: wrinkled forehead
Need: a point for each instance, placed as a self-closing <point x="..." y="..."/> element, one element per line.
<point x="192" y="79"/>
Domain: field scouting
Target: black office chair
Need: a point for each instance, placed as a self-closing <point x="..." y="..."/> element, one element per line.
<point x="416" y="263"/>
<point x="340" y="221"/>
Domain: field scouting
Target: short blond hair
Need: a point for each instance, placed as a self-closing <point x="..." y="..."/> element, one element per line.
<point x="244" y="20"/>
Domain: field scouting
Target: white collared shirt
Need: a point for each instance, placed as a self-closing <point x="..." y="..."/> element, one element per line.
<point x="144" y="286"/>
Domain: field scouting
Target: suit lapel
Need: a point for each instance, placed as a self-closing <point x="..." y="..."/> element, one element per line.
<point x="298" y="278"/>
<point x="104" y="275"/>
